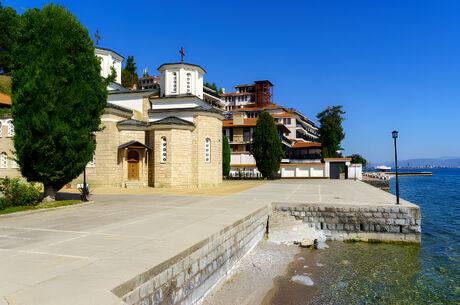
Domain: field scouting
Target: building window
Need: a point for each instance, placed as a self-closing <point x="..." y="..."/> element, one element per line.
<point x="10" y="128"/>
<point x="4" y="161"/>
<point x="189" y="82"/>
<point x="174" y="80"/>
<point x="207" y="150"/>
<point x="92" y="163"/>
<point x="163" y="150"/>
<point x="14" y="164"/>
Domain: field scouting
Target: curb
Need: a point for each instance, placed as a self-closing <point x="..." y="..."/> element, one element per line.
<point x="45" y="209"/>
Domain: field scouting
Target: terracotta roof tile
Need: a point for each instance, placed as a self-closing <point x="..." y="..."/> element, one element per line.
<point x="5" y="99"/>
<point x="299" y="144"/>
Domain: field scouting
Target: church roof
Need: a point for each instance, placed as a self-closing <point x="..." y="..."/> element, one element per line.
<point x="134" y="144"/>
<point x="181" y="63"/>
<point x="172" y="120"/>
<point x="133" y="122"/>
<point x="110" y="51"/>
<point x="110" y="105"/>
<point x="189" y="109"/>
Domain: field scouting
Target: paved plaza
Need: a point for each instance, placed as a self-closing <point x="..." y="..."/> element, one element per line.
<point x="77" y="255"/>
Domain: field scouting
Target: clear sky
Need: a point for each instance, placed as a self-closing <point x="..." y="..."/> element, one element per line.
<point x="391" y="64"/>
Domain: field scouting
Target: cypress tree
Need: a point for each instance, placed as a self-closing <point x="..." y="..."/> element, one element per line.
<point x="9" y="23"/>
<point x="58" y="97"/>
<point x="129" y="75"/>
<point x="225" y="156"/>
<point x="267" y="148"/>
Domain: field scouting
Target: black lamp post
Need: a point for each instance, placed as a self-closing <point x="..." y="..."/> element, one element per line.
<point x="395" y="136"/>
<point x="85" y="189"/>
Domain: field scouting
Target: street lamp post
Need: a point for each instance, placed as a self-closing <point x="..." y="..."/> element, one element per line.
<point x="395" y="136"/>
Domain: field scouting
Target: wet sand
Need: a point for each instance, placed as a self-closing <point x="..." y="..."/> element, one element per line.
<point x="253" y="277"/>
<point x="299" y="283"/>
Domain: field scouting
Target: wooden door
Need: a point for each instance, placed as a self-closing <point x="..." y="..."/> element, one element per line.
<point x="133" y="165"/>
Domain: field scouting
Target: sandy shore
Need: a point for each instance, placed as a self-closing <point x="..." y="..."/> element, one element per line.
<point x="254" y="276"/>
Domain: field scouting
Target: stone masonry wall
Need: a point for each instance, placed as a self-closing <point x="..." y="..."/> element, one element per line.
<point x="358" y="222"/>
<point x="189" y="276"/>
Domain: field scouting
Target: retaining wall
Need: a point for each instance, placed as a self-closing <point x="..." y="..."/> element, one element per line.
<point x="357" y="222"/>
<point x="189" y="276"/>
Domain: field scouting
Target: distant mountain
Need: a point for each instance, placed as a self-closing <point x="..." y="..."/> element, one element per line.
<point x="423" y="162"/>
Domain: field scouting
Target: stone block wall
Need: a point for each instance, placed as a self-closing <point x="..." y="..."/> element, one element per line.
<point x="208" y="174"/>
<point x="191" y="275"/>
<point x="358" y="222"/>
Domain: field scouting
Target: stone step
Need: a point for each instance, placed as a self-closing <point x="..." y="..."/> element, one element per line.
<point x="133" y="184"/>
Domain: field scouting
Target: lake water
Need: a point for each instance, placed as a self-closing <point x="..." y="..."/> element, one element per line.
<point x="361" y="273"/>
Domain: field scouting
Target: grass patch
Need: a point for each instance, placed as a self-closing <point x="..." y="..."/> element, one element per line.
<point x="47" y="205"/>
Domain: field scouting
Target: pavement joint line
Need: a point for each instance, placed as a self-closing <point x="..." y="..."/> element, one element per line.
<point x="14" y="237"/>
<point x="292" y="193"/>
<point x="58" y="255"/>
<point x="50" y="253"/>
<point x="62" y="241"/>
<point x="68" y="231"/>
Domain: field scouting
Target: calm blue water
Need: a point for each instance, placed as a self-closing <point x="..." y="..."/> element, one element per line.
<point x="439" y="258"/>
<point x="362" y="273"/>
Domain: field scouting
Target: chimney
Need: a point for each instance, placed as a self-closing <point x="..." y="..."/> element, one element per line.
<point x="238" y="119"/>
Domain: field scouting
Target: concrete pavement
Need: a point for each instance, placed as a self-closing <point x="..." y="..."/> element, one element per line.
<point x="78" y="255"/>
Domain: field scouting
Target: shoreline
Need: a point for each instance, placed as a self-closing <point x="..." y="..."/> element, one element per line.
<point x="255" y="275"/>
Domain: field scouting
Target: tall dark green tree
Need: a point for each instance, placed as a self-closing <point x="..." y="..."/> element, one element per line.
<point x="331" y="131"/>
<point x="58" y="97"/>
<point x="9" y="24"/>
<point x="129" y="75"/>
<point x="225" y="156"/>
<point x="267" y="148"/>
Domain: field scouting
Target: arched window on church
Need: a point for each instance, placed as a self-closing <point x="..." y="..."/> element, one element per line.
<point x="4" y="160"/>
<point x="10" y="128"/>
<point x="163" y="150"/>
<point x="189" y="82"/>
<point x="207" y="150"/>
<point x="174" y="82"/>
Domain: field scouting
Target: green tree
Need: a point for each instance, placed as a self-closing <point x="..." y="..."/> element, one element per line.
<point x="225" y="156"/>
<point x="331" y="131"/>
<point x="357" y="158"/>
<point x="9" y="23"/>
<point x="267" y="148"/>
<point x="58" y="97"/>
<point x="129" y="75"/>
<point x="214" y="87"/>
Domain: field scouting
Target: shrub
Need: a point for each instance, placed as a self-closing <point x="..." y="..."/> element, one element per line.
<point x="16" y="193"/>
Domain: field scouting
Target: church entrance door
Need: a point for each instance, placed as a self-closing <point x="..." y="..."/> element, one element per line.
<point x="133" y="165"/>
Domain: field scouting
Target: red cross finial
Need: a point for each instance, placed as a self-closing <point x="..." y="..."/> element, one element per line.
<point x="181" y="51"/>
<point x="97" y="37"/>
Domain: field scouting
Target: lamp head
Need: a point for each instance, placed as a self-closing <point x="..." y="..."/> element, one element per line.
<point x="394" y="134"/>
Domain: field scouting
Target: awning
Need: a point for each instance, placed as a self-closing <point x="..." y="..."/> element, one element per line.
<point x="133" y="144"/>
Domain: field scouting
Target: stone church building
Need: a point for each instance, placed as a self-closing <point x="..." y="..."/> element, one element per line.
<point x="164" y="137"/>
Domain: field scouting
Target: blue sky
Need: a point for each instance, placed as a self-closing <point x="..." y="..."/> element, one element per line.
<point x="391" y="64"/>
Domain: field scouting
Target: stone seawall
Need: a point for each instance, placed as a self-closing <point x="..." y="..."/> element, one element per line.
<point x="367" y="223"/>
<point x="191" y="275"/>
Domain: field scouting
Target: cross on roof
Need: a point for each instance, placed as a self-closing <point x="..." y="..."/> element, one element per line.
<point x="181" y="51"/>
<point x="97" y="37"/>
